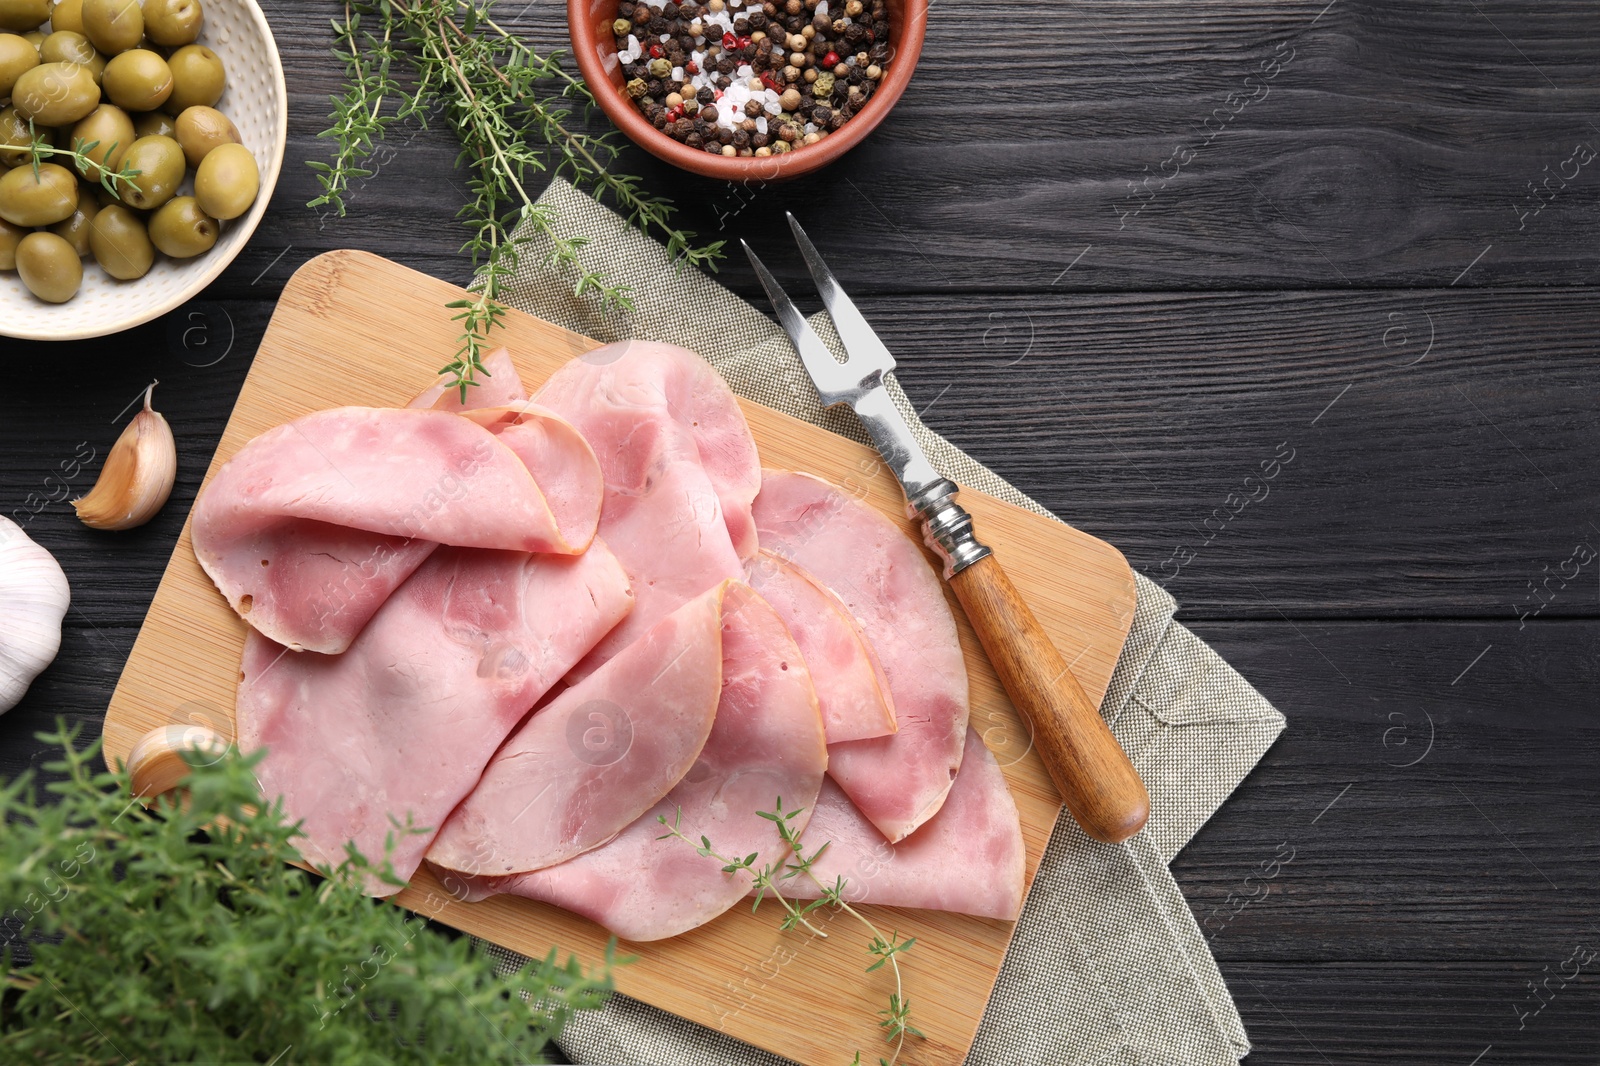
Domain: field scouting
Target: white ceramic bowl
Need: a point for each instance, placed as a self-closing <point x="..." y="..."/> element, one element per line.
<point x="258" y="104"/>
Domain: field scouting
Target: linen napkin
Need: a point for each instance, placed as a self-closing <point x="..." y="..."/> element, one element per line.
<point x="1107" y="965"/>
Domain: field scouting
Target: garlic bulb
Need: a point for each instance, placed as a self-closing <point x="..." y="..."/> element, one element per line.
<point x="138" y="475"/>
<point x="33" y="600"/>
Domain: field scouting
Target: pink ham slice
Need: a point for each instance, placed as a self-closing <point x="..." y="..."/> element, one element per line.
<point x="767" y="743"/>
<point x="313" y="524"/>
<point x="498" y="385"/>
<point x="597" y="756"/>
<point x="557" y="455"/>
<point x="852" y="691"/>
<point x="968" y="858"/>
<point x="887" y="584"/>
<point x="402" y="725"/>
<point x="680" y="471"/>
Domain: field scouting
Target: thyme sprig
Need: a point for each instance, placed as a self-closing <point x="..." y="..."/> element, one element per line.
<point x="896" y="1018"/>
<point x="218" y="950"/>
<point x="506" y="104"/>
<point x="39" y="149"/>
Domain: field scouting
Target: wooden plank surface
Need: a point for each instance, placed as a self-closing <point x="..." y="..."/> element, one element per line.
<point x="1392" y="149"/>
<point x="1383" y="166"/>
<point x="185" y="667"/>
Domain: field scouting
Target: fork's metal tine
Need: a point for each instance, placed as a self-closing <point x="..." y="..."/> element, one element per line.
<point x="867" y="353"/>
<point x="831" y="378"/>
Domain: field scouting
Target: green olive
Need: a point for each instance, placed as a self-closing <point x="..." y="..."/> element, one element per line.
<point x="182" y="229"/>
<point x="159" y="162"/>
<point x="17" y="57"/>
<point x="200" y="129"/>
<point x="74" y="229"/>
<point x="227" y="181"/>
<point x="10" y="237"/>
<point x="13" y="131"/>
<point x="21" y="15"/>
<point x="197" y="77"/>
<point x="106" y="198"/>
<point x="138" y="80"/>
<point x="156" y="124"/>
<point x="110" y="130"/>
<point x="64" y="46"/>
<point x="49" y="267"/>
<point x="67" y="15"/>
<point x="29" y="200"/>
<point x="113" y="25"/>
<point x="120" y="244"/>
<point x="56" y="94"/>
<point x="172" y="23"/>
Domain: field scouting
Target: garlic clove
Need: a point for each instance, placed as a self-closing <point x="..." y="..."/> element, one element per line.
<point x="33" y="599"/>
<point x="138" y="475"/>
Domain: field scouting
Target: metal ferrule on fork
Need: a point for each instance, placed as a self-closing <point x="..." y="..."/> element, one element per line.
<point x="947" y="527"/>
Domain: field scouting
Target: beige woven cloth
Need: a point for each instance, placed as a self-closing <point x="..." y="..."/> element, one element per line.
<point x="1107" y="965"/>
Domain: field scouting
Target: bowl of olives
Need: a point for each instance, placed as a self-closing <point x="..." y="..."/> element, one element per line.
<point x="140" y="141"/>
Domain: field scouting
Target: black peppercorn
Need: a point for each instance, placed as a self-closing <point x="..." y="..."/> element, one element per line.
<point x="694" y="140"/>
<point x="759" y="140"/>
<point x="741" y="27"/>
<point x="689" y="10"/>
<point x="880" y="30"/>
<point x="669" y="10"/>
<point x="821" y="115"/>
<point x="754" y="108"/>
<point x="658" y="25"/>
<point x="656" y="87"/>
<point x="726" y="65"/>
<point x="855" y="33"/>
<point x="741" y="139"/>
<point x="839" y="118"/>
<point x="706" y="95"/>
<point x="708" y="112"/>
<point x="758" y="20"/>
<point x="714" y="148"/>
<point x="724" y="136"/>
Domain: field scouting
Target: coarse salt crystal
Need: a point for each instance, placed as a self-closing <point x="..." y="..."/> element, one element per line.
<point x="745" y="72"/>
<point x="811" y="127"/>
<point x="773" y="107"/>
<point x="822" y="7"/>
<point x="761" y="125"/>
<point x="665" y="37"/>
<point x="677" y="73"/>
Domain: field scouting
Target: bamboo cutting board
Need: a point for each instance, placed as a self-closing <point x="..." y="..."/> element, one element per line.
<point x="352" y="328"/>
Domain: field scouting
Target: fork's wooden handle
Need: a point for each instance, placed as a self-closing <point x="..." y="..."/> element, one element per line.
<point x="1091" y="771"/>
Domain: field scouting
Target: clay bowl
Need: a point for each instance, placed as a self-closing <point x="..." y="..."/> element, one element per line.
<point x="594" y="47"/>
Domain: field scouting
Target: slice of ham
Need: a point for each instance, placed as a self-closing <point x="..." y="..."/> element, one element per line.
<point x="559" y="458"/>
<point x="852" y="691"/>
<point x="597" y="756"/>
<point x="767" y="744"/>
<point x="496" y="385"/>
<point x="680" y="472"/>
<point x="887" y="584"/>
<point x="313" y="524"/>
<point x="968" y="858"/>
<point x="402" y="725"/>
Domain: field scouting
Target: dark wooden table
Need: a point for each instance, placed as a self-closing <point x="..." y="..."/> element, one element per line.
<point x="1125" y="252"/>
